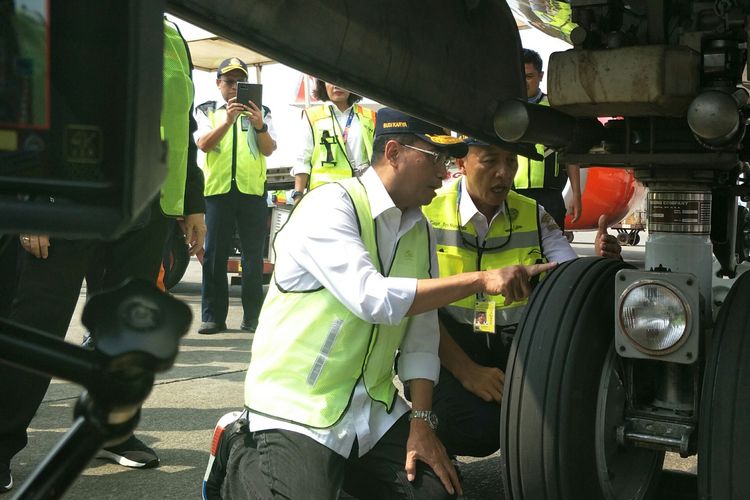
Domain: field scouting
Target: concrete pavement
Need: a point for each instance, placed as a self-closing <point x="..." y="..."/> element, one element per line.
<point x="178" y="418"/>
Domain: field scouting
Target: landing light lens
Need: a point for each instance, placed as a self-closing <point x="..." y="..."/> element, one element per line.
<point x="654" y="317"/>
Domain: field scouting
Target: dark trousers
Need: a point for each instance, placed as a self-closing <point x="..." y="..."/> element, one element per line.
<point x="10" y="250"/>
<point x="469" y="425"/>
<point x="552" y="200"/>
<point x="48" y="290"/>
<point x="294" y="466"/>
<point x="250" y="214"/>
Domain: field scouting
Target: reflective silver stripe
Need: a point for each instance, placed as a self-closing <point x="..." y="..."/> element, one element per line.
<point x="322" y="357"/>
<point x="504" y="316"/>
<point x="448" y="237"/>
<point x="452" y="238"/>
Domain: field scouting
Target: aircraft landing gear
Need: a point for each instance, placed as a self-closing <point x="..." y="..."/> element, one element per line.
<point x="564" y="395"/>
<point x="723" y="461"/>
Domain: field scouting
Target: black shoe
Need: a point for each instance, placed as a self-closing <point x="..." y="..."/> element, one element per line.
<point x="248" y="326"/>
<point x="229" y="428"/>
<point x="6" y="478"/>
<point x="211" y="327"/>
<point x="132" y="453"/>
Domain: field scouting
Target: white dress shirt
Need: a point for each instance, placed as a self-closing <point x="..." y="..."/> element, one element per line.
<point x="321" y="247"/>
<point x="554" y="245"/>
<point x="355" y="149"/>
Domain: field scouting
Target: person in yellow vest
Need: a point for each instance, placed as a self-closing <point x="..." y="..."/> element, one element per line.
<point x="544" y="180"/>
<point x="52" y="270"/>
<point x="336" y="139"/>
<point x="482" y="224"/>
<point x="322" y="407"/>
<point x="237" y="138"/>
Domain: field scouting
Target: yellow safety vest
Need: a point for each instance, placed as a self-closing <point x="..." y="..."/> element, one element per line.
<point x="249" y="172"/>
<point x="310" y="351"/>
<point x="535" y="174"/>
<point x="504" y="245"/>
<point x="329" y="161"/>
<point x="177" y="99"/>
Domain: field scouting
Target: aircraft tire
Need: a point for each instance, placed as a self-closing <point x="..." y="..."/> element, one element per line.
<point x="175" y="260"/>
<point x="724" y="426"/>
<point x="560" y="366"/>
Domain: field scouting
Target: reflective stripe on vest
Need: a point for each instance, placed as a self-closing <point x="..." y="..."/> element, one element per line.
<point x="177" y="98"/>
<point x="310" y="351"/>
<point x="322" y="119"/>
<point x="250" y="175"/>
<point x="503" y="247"/>
<point x="535" y="174"/>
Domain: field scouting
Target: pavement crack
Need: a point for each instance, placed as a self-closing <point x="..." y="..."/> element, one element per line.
<point x="163" y="382"/>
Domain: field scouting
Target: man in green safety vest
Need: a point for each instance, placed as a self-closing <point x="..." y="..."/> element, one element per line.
<point x="323" y="409"/>
<point x="236" y="137"/>
<point x="481" y="224"/>
<point x="544" y="180"/>
<point x="52" y="269"/>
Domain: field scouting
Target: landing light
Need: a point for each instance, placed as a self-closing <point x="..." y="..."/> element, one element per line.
<point x="654" y="316"/>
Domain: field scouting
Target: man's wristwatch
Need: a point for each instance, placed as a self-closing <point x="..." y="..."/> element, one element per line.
<point x="262" y="129"/>
<point x="426" y="415"/>
<point x="297" y="194"/>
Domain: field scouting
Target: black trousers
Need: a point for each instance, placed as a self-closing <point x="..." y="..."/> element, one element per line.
<point x="47" y="292"/>
<point x="469" y="425"/>
<point x="296" y="467"/>
<point x="250" y="214"/>
<point x="552" y="200"/>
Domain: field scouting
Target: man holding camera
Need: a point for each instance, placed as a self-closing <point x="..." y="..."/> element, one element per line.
<point x="236" y="137"/>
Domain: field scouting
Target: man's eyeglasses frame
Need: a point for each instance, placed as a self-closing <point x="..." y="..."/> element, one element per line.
<point x="435" y="155"/>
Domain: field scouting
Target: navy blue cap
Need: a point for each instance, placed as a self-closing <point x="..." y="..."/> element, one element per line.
<point x="472" y="141"/>
<point x="231" y="64"/>
<point x="390" y="121"/>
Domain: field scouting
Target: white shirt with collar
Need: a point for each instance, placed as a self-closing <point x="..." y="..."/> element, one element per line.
<point x="554" y="245"/>
<point x="355" y="148"/>
<point x="321" y="246"/>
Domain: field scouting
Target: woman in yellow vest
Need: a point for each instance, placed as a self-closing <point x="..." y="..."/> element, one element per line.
<point x="336" y="139"/>
<point x="481" y="224"/>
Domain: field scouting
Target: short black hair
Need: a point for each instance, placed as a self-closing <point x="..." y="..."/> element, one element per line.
<point x="378" y="145"/>
<point x="532" y="57"/>
<point x="321" y="94"/>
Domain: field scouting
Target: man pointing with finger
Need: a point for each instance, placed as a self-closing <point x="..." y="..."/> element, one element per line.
<point x="352" y="287"/>
<point x="481" y="225"/>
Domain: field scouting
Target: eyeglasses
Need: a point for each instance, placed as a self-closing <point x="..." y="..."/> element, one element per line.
<point x="230" y="82"/>
<point x="437" y="158"/>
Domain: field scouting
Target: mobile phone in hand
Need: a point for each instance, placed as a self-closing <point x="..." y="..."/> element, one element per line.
<point x="250" y="92"/>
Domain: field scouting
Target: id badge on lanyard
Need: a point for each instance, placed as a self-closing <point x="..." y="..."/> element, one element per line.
<point x="484" y="316"/>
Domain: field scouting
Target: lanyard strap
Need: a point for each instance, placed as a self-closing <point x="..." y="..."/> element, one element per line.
<point x="348" y="125"/>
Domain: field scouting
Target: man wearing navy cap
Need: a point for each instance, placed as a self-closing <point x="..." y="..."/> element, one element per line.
<point x="236" y="137"/>
<point x="482" y="224"/>
<point x="352" y="286"/>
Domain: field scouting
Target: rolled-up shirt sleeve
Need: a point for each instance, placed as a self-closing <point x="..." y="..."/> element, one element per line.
<point x="419" y="350"/>
<point x="324" y="243"/>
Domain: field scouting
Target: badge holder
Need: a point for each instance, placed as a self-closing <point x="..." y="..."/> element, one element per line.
<point x="484" y="316"/>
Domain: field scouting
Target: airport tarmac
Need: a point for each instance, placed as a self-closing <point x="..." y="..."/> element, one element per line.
<point x="178" y="418"/>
